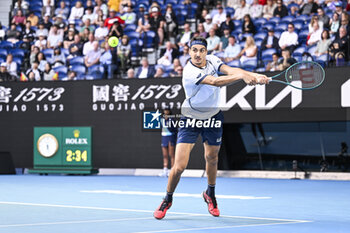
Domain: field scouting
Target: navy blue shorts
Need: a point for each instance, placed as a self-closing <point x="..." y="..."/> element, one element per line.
<point x="167" y="139"/>
<point x="210" y="134"/>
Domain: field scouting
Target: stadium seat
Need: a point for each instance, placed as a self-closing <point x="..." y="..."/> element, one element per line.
<point x="287" y="19"/>
<point x="17" y="53"/>
<point x="267" y="54"/>
<point x="237" y="23"/>
<point x="65" y="52"/>
<point x="234" y="63"/>
<point x="230" y="11"/>
<point x="79" y="69"/>
<point x="62" y="75"/>
<point x="149" y="40"/>
<point x="76" y="61"/>
<point x="323" y="59"/>
<point x="305" y="18"/>
<point x="18" y="61"/>
<point x="3" y="53"/>
<point x="219" y="54"/>
<point x="132" y="34"/>
<point x="274" y="20"/>
<point x="260" y="21"/>
<point x="48" y="53"/>
<point x="61" y="69"/>
<point x="6" y="45"/>
<point x="268" y="26"/>
<point x="281" y="26"/>
<point x="312" y="49"/>
<point x="260" y="35"/>
<point x="130" y="28"/>
<point x="299" y="51"/>
<point x="298" y="25"/>
<point x="172" y="2"/>
<point x="250" y="65"/>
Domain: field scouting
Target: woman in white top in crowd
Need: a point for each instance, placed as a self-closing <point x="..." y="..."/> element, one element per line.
<point x="250" y="50"/>
<point x="268" y="9"/>
<point x="323" y="44"/>
<point x="77" y="11"/>
<point x="311" y="24"/>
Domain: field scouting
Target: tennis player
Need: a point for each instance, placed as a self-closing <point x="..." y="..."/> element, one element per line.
<point x="202" y="89"/>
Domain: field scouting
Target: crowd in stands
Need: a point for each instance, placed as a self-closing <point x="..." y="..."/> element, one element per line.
<point x="67" y="39"/>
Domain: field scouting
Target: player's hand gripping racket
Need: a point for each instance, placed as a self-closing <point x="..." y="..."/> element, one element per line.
<point x="309" y="74"/>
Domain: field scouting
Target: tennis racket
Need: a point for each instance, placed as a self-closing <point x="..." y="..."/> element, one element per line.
<point x="308" y="74"/>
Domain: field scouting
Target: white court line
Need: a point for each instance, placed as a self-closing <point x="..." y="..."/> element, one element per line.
<point x="161" y="194"/>
<point x="212" y="228"/>
<point x="144" y="211"/>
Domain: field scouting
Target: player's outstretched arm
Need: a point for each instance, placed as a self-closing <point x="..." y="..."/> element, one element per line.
<point x="234" y="75"/>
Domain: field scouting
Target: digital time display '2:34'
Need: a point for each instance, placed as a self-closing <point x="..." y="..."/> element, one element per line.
<point x="76" y="156"/>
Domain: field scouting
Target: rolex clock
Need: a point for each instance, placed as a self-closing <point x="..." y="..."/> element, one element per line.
<point x="47" y="145"/>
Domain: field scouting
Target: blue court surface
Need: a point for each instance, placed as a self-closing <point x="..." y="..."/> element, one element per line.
<point x="102" y="204"/>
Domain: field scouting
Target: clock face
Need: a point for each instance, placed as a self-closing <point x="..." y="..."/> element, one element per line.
<point x="47" y="145"/>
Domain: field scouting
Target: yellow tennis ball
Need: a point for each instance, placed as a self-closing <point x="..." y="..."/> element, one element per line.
<point x="113" y="41"/>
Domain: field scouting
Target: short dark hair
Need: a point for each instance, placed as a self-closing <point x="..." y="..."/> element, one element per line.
<point x="199" y="38"/>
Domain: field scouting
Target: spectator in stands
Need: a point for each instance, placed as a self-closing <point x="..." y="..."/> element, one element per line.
<point x="227" y="24"/>
<point x="186" y="36"/>
<point x="315" y="35"/>
<point x="69" y="38"/>
<point x="87" y="24"/>
<point x="345" y="21"/>
<point x="124" y="52"/>
<point x="62" y="10"/>
<point x="160" y="73"/>
<point x="32" y="56"/>
<point x="269" y="9"/>
<point x="248" y="26"/>
<point x="11" y="65"/>
<point x="323" y="44"/>
<point x="75" y="49"/>
<point x="101" y="6"/>
<point x="185" y="56"/>
<point x="250" y="50"/>
<point x="101" y="32"/>
<point x="145" y="71"/>
<point x="116" y="30"/>
<point x="168" y="54"/>
<point x="28" y="34"/>
<point x="46" y="2"/>
<point x="89" y="15"/>
<point x="33" y="19"/>
<point x="41" y="59"/>
<point x="232" y="51"/>
<point x="48" y="9"/>
<point x="157" y="24"/>
<point x="334" y="24"/>
<point x="323" y="17"/>
<point x="203" y="15"/>
<point x="213" y="42"/>
<point x="77" y="11"/>
<point x="41" y="42"/>
<point x="177" y="72"/>
<point x="60" y="22"/>
<point x="130" y="73"/>
<point x="208" y="24"/>
<point x="89" y="4"/>
<point x="281" y="10"/>
<point x="99" y="18"/>
<point x="241" y="11"/>
<point x="338" y="7"/>
<point x="129" y="15"/>
<point x="233" y="3"/>
<point x="46" y="22"/>
<point x="93" y="56"/>
<point x="20" y="5"/>
<point x="144" y="24"/>
<point x="310" y="7"/>
<point x="286" y="60"/>
<point x="256" y="10"/>
<point x="19" y="19"/>
<point x="34" y="74"/>
<point x="58" y="58"/>
<point x="55" y="38"/>
<point x="288" y="39"/>
<point x="48" y="73"/>
<point x="311" y="24"/>
<point x="201" y="30"/>
<point x="42" y="30"/>
<point x="224" y="40"/>
<point x="4" y="74"/>
<point x="270" y="41"/>
<point x="274" y="64"/>
<point x="220" y="16"/>
<point x="13" y="35"/>
<point x="340" y="46"/>
<point x="107" y="61"/>
<point x="170" y="25"/>
<point x="141" y="12"/>
<point x="72" y="75"/>
<point x="85" y="36"/>
<point x="122" y="4"/>
<point x="89" y="45"/>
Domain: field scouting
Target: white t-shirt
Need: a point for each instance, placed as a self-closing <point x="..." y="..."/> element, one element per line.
<point x="202" y="100"/>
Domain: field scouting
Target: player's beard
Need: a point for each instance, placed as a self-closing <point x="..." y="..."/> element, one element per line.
<point x="198" y="61"/>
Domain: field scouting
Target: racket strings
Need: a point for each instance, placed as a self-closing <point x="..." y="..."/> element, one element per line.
<point x="310" y="74"/>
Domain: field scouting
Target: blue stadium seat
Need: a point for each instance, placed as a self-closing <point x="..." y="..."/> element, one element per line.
<point x="135" y="47"/>
<point x="149" y="39"/>
<point x="260" y="35"/>
<point x="3" y="53"/>
<point x="234" y="63"/>
<point x="76" y="61"/>
<point x="281" y="26"/>
<point x="299" y="51"/>
<point x="48" y="53"/>
<point x="18" y="61"/>
<point x="298" y="25"/>
<point x="323" y="59"/>
<point x="237" y="23"/>
<point x="62" y="75"/>
<point x="268" y="26"/>
<point x="258" y="42"/>
<point x="274" y="20"/>
<point x="219" y="54"/>
<point x="250" y="65"/>
<point x="267" y="54"/>
<point x="130" y="28"/>
<point x="65" y="52"/>
<point x="287" y="19"/>
<point x="312" y="49"/>
<point x="6" y="45"/>
<point x="230" y="11"/>
<point x="305" y="18"/>
<point x="302" y="35"/>
<point x="132" y="34"/>
<point x="61" y="69"/>
<point x="172" y="2"/>
<point x="17" y="52"/>
<point x="144" y="2"/>
<point x="79" y="69"/>
<point x="260" y="21"/>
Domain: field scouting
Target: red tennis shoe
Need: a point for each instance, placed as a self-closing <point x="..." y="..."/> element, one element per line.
<point x="160" y="212"/>
<point x="212" y="205"/>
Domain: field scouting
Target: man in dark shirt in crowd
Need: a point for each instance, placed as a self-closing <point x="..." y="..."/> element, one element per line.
<point x="308" y="8"/>
<point x="287" y="60"/>
<point x="270" y="41"/>
<point x="281" y="10"/>
<point x="4" y="74"/>
<point x="75" y="49"/>
<point x="340" y="46"/>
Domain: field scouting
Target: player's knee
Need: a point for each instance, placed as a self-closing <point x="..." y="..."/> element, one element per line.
<point x="178" y="169"/>
<point x="211" y="159"/>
